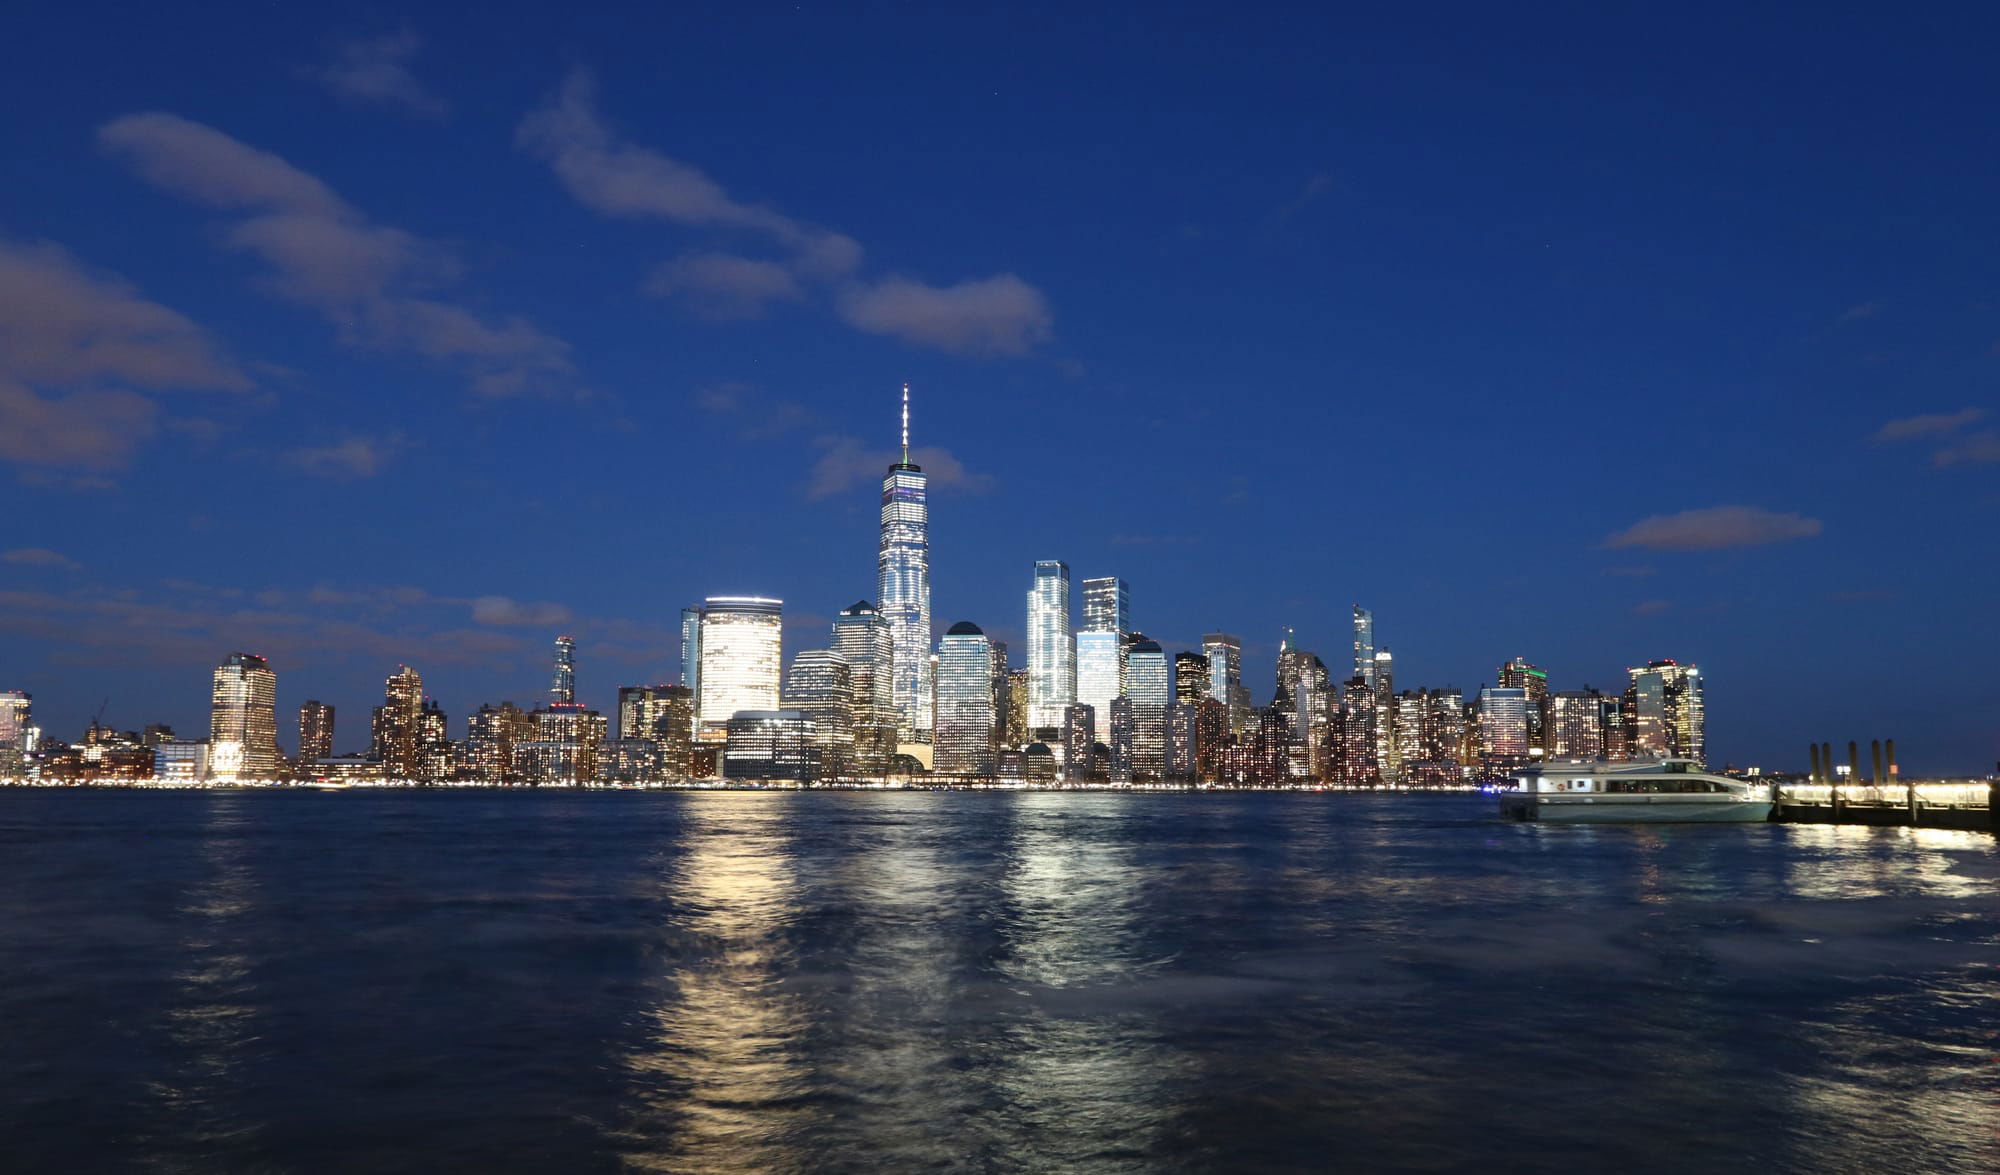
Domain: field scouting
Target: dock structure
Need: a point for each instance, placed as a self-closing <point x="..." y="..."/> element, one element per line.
<point x="1829" y="798"/>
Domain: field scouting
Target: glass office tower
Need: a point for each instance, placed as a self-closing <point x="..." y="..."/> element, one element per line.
<point x="741" y="645"/>
<point x="904" y="587"/>
<point x="1051" y="647"/>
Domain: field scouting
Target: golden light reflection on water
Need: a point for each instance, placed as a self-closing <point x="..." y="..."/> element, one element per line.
<point x="719" y="1076"/>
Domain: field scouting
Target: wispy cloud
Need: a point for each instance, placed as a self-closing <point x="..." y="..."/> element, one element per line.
<point x="74" y="342"/>
<point x="999" y="315"/>
<point x="502" y="612"/>
<point x="846" y="462"/>
<point x="1652" y="607"/>
<point x="39" y="557"/>
<point x="376" y="70"/>
<point x="371" y="281"/>
<point x="1979" y="448"/>
<point x="1715" y="528"/>
<point x="1908" y="428"/>
<point x="348" y="459"/>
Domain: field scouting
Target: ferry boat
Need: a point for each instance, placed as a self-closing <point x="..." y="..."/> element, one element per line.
<point x="1667" y="791"/>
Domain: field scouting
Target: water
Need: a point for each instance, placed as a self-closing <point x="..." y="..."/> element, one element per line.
<point x="863" y="982"/>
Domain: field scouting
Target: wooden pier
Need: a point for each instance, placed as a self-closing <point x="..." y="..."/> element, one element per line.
<point x="1971" y="805"/>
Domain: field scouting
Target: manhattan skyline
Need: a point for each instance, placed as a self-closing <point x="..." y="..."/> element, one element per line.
<point x="591" y="340"/>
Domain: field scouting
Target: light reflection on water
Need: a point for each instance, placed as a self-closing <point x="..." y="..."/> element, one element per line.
<point x="791" y="982"/>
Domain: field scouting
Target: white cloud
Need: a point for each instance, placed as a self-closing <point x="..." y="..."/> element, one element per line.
<point x="354" y="457"/>
<point x="1929" y="425"/>
<point x="722" y="285"/>
<point x="38" y="557"/>
<point x="377" y="70"/>
<point x="1715" y="528"/>
<point x="502" y="612"/>
<point x="371" y="281"/>
<point x="1000" y="315"/>
<point x="847" y="462"/>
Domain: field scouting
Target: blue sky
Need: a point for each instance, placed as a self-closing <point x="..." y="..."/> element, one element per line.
<point x="1592" y="334"/>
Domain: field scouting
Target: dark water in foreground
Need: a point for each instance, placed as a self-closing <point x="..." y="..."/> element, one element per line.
<point x="567" y="982"/>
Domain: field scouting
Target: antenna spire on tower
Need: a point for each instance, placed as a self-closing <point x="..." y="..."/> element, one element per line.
<point x="906" y="424"/>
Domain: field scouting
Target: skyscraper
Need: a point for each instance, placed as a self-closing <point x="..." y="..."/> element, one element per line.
<point x="315" y="731"/>
<point x="1107" y="605"/>
<point x="904" y="587"/>
<point x="1518" y="674"/>
<point x="1100" y="668"/>
<point x="1576" y="725"/>
<point x="741" y="645"/>
<point x="1051" y="647"/>
<point x="1150" y="686"/>
<point x="821" y="686"/>
<point x="243" y="720"/>
<point x="1079" y="736"/>
<point x="1225" y="676"/>
<point x="1191" y="682"/>
<point x="395" y="736"/>
<point x="1666" y="712"/>
<point x="691" y="648"/>
<point x="17" y="739"/>
<point x="862" y="636"/>
<point x="1364" y="644"/>
<point x="1388" y="754"/>
<point x="965" y="726"/>
<point x="1503" y="729"/>
<point x="562" y="682"/>
<point x="490" y="736"/>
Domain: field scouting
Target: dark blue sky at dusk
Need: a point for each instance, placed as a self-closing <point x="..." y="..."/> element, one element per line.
<point x="1589" y="333"/>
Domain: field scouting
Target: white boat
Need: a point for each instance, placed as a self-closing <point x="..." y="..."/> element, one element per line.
<point x="1667" y="791"/>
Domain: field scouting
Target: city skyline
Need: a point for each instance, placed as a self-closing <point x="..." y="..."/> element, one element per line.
<point x="354" y="344"/>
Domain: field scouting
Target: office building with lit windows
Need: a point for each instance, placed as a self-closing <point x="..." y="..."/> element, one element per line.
<point x="742" y="640"/>
<point x="903" y="588"/>
<point x="315" y="731"/>
<point x="17" y="732"/>
<point x="862" y="636"/>
<point x="394" y="735"/>
<point x="1576" y="724"/>
<point x="562" y="680"/>
<point x="1100" y="668"/>
<point x="243" y="720"/>
<point x="777" y="745"/>
<point x="1051" y="647"/>
<point x="964" y="743"/>
<point x="1666" y="712"/>
<point x="1150" y="686"/>
<point x="1364" y="644"/>
<point x="821" y="686"/>
<point x="1107" y="605"/>
<point x="1079" y="736"/>
<point x="1503" y="730"/>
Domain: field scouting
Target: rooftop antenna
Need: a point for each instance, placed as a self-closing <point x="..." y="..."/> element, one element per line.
<point x="906" y="424"/>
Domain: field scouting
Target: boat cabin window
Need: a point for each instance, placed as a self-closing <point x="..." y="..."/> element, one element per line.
<point x="1663" y="786"/>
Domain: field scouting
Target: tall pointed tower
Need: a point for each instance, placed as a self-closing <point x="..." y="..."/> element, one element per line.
<point x="904" y="566"/>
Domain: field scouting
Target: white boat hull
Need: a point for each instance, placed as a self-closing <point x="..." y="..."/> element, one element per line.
<point x="1636" y="809"/>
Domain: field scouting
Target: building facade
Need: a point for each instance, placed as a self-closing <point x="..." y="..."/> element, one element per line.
<point x="903" y="587"/>
<point x="1051" y="647"/>
<point x="742" y="643"/>
<point x="964" y="743"/>
<point x="243" y="720"/>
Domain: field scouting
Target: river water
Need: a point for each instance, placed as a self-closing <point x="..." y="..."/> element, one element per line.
<point x="552" y="981"/>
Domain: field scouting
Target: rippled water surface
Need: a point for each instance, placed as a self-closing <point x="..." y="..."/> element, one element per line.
<point x="784" y="982"/>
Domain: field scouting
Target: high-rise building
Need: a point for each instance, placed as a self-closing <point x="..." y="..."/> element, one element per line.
<point x="1150" y="686"/>
<point x="862" y="635"/>
<point x="564" y="749"/>
<point x="1017" y="709"/>
<point x="1518" y="674"/>
<point x="1503" y="729"/>
<point x="821" y="686"/>
<point x="742" y="641"/>
<point x="691" y="648"/>
<point x="1183" y="742"/>
<point x="243" y="720"/>
<point x="1211" y="739"/>
<point x="770" y="744"/>
<point x="904" y="587"/>
<point x="1388" y="752"/>
<point x="1051" y="646"/>
<point x="17" y="720"/>
<point x="1576" y="724"/>
<point x="562" y="682"/>
<point x="1003" y="701"/>
<point x="1191" y="683"/>
<point x="1121" y="738"/>
<point x="1357" y="749"/>
<point x="490" y="736"/>
<point x="965" y="719"/>
<point x="434" y="749"/>
<point x="1617" y="735"/>
<point x="1225" y="676"/>
<point x="1364" y="644"/>
<point x="1100" y="668"/>
<point x="1107" y="605"/>
<point x="315" y="731"/>
<point x="395" y="735"/>
<point x="663" y="715"/>
<point x="1079" y="736"/>
<point x="1666" y="712"/>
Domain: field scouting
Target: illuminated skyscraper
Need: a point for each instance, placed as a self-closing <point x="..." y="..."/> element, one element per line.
<point x="1079" y="735"/>
<point x="1017" y="709"/>
<point x="904" y="587"/>
<point x="1576" y="725"/>
<point x="315" y="731"/>
<point x="1364" y="644"/>
<point x="1051" y="646"/>
<point x="862" y="636"/>
<point x="243" y="720"/>
<point x="821" y="686"/>
<point x="1666" y="713"/>
<point x="395" y="737"/>
<point x="965" y="726"/>
<point x="1225" y="676"/>
<point x="1503" y="729"/>
<point x="1518" y="674"/>
<point x="1150" y="685"/>
<point x="1107" y="605"/>
<point x="741" y="647"/>
<point x="1191" y="683"/>
<point x="562" y="683"/>
<point x="17" y="732"/>
<point x="1003" y="684"/>
<point x="1100" y="668"/>
<point x="1183" y="742"/>
<point x="691" y="648"/>
<point x="490" y="737"/>
<point x="1388" y="753"/>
